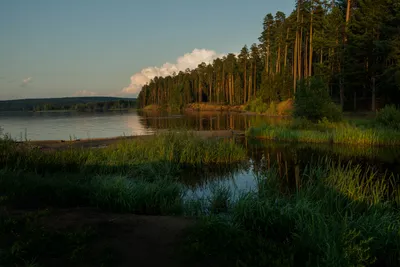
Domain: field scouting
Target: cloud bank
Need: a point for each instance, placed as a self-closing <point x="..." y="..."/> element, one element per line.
<point x="26" y="81"/>
<point x="187" y="61"/>
<point x="85" y="93"/>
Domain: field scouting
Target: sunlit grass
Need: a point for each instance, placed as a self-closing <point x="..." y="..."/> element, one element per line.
<point x="336" y="133"/>
<point x="174" y="149"/>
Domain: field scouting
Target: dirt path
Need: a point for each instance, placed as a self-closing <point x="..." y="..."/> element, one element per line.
<point x="134" y="240"/>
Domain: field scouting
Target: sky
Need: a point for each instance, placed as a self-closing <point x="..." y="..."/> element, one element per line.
<point x="61" y="48"/>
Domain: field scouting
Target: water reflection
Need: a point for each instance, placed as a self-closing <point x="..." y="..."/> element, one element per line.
<point x="290" y="162"/>
<point x="203" y="120"/>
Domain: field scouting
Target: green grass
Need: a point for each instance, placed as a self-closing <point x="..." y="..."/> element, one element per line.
<point x="325" y="132"/>
<point x="166" y="150"/>
<point x="112" y="193"/>
<point x="350" y="220"/>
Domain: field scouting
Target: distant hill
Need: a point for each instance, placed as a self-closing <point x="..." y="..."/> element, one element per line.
<point x="68" y="103"/>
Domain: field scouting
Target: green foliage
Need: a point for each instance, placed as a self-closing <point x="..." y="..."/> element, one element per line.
<point x="389" y="116"/>
<point x="303" y="130"/>
<point x="257" y="105"/>
<point x="312" y="101"/>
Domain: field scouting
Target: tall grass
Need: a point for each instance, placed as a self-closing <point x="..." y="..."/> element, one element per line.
<point x="168" y="149"/>
<point x="113" y="193"/>
<point x="341" y="134"/>
<point x="339" y="216"/>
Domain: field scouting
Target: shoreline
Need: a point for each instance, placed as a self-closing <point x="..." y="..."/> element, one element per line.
<point x="106" y="141"/>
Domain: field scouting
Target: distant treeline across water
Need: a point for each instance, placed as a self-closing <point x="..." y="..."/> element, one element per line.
<point x="68" y="103"/>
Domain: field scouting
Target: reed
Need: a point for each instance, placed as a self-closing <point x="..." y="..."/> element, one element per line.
<point x="336" y="134"/>
<point x="339" y="216"/>
<point x="173" y="149"/>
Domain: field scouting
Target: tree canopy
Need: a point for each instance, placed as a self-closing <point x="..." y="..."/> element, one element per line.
<point x="352" y="45"/>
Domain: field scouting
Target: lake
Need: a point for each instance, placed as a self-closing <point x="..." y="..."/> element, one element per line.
<point x="66" y="125"/>
<point x="261" y="154"/>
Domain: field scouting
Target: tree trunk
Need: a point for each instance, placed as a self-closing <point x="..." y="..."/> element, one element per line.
<point x="347" y="19"/>
<point x="250" y="86"/>
<point x="300" y="50"/>
<point x="245" y="82"/>
<point x="286" y="48"/>
<point x="278" y="60"/>
<point x="355" y="101"/>
<point x="295" y="63"/>
<point x="373" y="104"/>
<point x="306" y="58"/>
<point x="200" y="98"/>
<point x="223" y="81"/>
<point x="255" y="80"/>
<point x="311" y="39"/>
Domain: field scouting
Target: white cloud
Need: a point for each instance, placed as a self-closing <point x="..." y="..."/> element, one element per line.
<point x="26" y="81"/>
<point x="187" y="61"/>
<point x="85" y="93"/>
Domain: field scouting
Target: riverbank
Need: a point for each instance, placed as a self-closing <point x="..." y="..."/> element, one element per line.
<point x="104" y="142"/>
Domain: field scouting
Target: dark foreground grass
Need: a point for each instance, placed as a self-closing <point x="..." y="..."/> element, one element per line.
<point x="325" y="132"/>
<point x="25" y="242"/>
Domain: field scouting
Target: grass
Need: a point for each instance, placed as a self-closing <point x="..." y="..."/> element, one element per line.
<point x="169" y="151"/>
<point x="326" y="132"/>
<point x="335" y="215"/>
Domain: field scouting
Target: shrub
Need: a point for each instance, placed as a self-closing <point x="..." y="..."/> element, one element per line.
<point x="389" y="116"/>
<point x="257" y="105"/>
<point x="314" y="103"/>
<point x="285" y="108"/>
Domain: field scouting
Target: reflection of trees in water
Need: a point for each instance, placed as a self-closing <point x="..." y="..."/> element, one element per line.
<point x="291" y="162"/>
<point x="202" y="120"/>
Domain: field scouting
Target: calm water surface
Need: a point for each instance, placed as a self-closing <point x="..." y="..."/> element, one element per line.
<point x="66" y="125"/>
<point x="238" y="177"/>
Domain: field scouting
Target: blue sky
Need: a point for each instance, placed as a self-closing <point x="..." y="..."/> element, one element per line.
<point x="54" y="48"/>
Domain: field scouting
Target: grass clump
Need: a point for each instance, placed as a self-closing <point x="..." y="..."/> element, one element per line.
<point x="324" y="131"/>
<point x="257" y="105"/>
<point x="283" y="108"/>
<point x="389" y="117"/>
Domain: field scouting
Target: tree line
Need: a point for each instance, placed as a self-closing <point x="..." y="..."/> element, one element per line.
<point x="90" y="106"/>
<point x="91" y="103"/>
<point x="353" y="45"/>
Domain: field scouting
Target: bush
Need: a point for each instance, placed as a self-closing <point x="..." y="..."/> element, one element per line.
<point x="314" y="103"/>
<point x="285" y="108"/>
<point x="389" y="116"/>
<point x="257" y="105"/>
